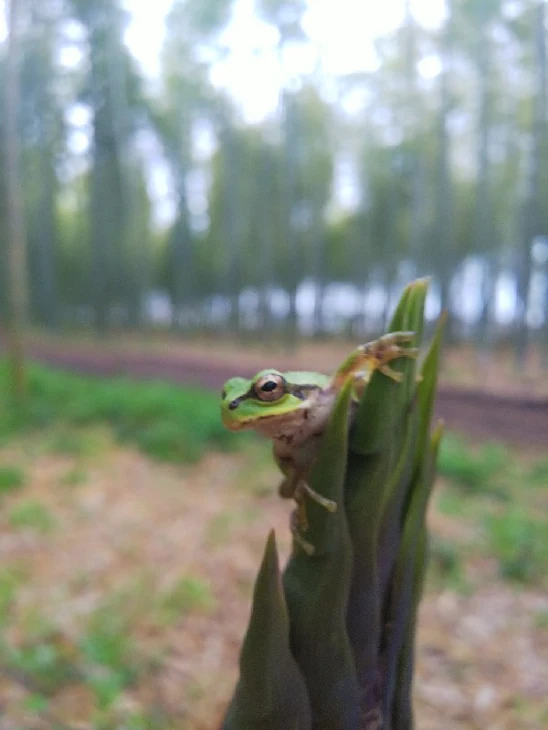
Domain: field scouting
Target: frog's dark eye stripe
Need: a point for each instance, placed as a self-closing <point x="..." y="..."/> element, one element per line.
<point x="223" y="394"/>
<point x="301" y="391"/>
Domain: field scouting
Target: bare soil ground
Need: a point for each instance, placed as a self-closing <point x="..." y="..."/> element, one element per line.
<point x="478" y="396"/>
<point x="128" y="531"/>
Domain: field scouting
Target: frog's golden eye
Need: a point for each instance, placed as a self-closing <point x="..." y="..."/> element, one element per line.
<point x="269" y="387"/>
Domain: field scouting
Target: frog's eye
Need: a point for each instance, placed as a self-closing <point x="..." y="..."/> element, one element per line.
<point x="269" y="387"/>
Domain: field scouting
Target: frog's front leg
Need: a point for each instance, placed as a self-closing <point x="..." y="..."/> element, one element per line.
<point x="376" y="355"/>
<point x="294" y="486"/>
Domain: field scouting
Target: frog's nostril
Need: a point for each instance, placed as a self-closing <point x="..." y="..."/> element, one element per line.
<point x="232" y="406"/>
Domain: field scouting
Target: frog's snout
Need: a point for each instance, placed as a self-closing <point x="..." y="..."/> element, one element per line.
<point x="229" y="420"/>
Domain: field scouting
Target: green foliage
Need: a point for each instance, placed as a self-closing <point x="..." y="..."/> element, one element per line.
<point x="188" y="594"/>
<point x="10" y="580"/>
<point x="74" y="477"/>
<point x="108" y="655"/>
<point x="271" y="692"/>
<point x="165" y="421"/>
<point x="351" y="606"/>
<point x="471" y="469"/>
<point x="12" y="478"/>
<point x="520" y="542"/>
<point x="43" y="663"/>
<point x="446" y="564"/>
<point x="76" y="441"/>
<point x="538" y="473"/>
<point x="31" y="515"/>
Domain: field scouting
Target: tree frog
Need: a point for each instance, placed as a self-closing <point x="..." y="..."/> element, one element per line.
<point x="293" y="408"/>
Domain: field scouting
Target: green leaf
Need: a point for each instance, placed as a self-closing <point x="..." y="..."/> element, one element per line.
<point x="383" y="401"/>
<point x="379" y="471"/>
<point x="427" y="387"/>
<point x="317" y="588"/>
<point x="407" y="588"/>
<point x="271" y="692"/>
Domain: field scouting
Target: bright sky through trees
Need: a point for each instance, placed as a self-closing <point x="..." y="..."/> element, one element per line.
<point x="340" y="34"/>
<point x="340" y="37"/>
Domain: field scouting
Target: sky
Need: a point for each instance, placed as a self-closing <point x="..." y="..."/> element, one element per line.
<point x="341" y="34"/>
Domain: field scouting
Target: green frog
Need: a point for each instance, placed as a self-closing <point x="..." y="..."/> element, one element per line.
<point x="293" y="409"/>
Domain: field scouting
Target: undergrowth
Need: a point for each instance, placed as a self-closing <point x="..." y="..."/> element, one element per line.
<point x="165" y="421"/>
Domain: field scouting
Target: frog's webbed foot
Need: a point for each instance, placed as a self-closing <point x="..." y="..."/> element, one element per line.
<point x="376" y="355"/>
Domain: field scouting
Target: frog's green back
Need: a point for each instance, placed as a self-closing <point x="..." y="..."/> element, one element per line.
<point x="304" y="377"/>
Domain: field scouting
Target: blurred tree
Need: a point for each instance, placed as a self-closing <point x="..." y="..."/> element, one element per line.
<point x="110" y="88"/>
<point x="482" y="14"/>
<point x="191" y="46"/>
<point x="533" y="219"/>
<point x="41" y="124"/>
<point x="444" y="245"/>
<point x="452" y="167"/>
<point x="16" y="245"/>
<point x="286" y="17"/>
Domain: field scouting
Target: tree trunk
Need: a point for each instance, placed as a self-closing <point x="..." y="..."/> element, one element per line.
<point x="483" y="214"/>
<point x="231" y="227"/>
<point x="290" y="141"/>
<point x="17" y="270"/>
<point x="532" y="203"/>
<point x="444" y="223"/>
<point x="46" y="223"/>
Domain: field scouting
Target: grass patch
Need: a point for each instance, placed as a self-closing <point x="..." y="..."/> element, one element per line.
<point x="44" y="665"/>
<point x="474" y="470"/>
<point x="74" y="477"/>
<point x="538" y="473"/>
<point x="10" y="580"/>
<point x="520" y="542"/>
<point x="32" y="515"/>
<point x="446" y="566"/>
<point x="109" y="655"/>
<point x="12" y="478"/>
<point x="188" y="594"/>
<point x="502" y="497"/>
<point x="77" y="442"/>
<point x="165" y="421"/>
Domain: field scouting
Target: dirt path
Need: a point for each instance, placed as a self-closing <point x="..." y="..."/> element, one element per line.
<point x="515" y="419"/>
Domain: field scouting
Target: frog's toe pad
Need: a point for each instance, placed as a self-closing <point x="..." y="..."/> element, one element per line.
<point x="306" y="546"/>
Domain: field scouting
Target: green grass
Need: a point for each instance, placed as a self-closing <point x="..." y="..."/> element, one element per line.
<point x="504" y="500"/>
<point x="43" y="664"/>
<point x="538" y="473"/>
<point x="78" y="442"/>
<point x="31" y="515"/>
<point x="165" y="421"/>
<point x="12" y="478"/>
<point x="474" y="470"/>
<point x="74" y="477"/>
<point x="188" y="594"/>
<point x="10" y="580"/>
<point x="520" y="541"/>
<point x="446" y="564"/>
<point x="108" y="655"/>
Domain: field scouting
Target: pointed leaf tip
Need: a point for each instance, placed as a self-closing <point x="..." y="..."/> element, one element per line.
<point x="271" y="693"/>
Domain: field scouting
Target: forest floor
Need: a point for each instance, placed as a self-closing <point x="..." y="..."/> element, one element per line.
<point x="481" y="395"/>
<point x="125" y="584"/>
